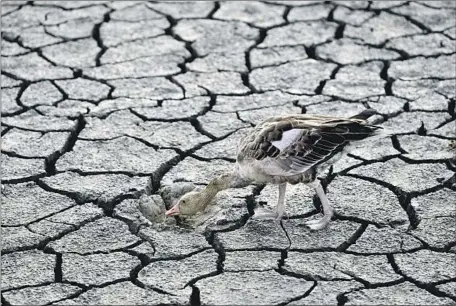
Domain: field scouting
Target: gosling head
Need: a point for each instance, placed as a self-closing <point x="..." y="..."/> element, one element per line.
<point x="189" y="204"/>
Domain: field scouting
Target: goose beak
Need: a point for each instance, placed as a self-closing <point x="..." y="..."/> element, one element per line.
<point x="173" y="211"/>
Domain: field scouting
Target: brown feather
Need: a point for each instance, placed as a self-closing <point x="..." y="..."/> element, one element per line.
<point x="321" y="136"/>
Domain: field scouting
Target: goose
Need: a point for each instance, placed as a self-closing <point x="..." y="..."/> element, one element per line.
<point x="281" y="150"/>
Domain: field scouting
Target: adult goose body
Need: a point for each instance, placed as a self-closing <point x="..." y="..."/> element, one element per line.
<point x="281" y="150"/>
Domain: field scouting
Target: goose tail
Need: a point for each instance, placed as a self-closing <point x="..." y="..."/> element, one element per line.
<point x="372" y="130"/>
<point x="378" y="131"/>
<point x="365" y="114"/>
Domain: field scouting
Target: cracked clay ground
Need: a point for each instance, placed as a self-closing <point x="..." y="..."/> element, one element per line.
<point x="105" y="102"/>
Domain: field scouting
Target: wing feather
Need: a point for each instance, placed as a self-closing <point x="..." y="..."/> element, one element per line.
<point x="292" y="144"/>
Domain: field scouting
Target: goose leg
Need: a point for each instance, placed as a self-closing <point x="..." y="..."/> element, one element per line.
<point x="328" y="211"/>
<point x="263" y="214"/>
<point x="281" y="203"/>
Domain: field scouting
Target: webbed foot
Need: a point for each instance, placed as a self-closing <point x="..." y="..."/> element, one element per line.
<point x="263" y="214"/>
<point x="319" y="224"/>
<point x="280" y="216"/>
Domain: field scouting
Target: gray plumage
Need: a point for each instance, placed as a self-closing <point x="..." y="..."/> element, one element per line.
<point x="287" y="148"/>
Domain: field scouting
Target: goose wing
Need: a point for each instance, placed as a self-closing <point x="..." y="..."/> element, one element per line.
<point x="294" y="143"/>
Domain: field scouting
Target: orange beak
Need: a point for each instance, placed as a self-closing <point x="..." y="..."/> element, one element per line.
<point x="173" y="211"/>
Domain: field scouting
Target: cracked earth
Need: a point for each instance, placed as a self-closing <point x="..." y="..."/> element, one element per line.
<point x="106" y="105"/>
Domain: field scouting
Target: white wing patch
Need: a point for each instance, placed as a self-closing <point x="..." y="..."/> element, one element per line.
<point x="288" y="138"/>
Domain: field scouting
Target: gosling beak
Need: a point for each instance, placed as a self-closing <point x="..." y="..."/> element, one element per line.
<point x="174" y="211"/>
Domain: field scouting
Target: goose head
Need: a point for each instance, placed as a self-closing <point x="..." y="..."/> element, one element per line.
<point x="189" y="204"/>
<point x="194" y="202"/>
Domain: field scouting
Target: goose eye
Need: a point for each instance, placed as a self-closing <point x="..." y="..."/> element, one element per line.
<point x="183" y="201"/>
